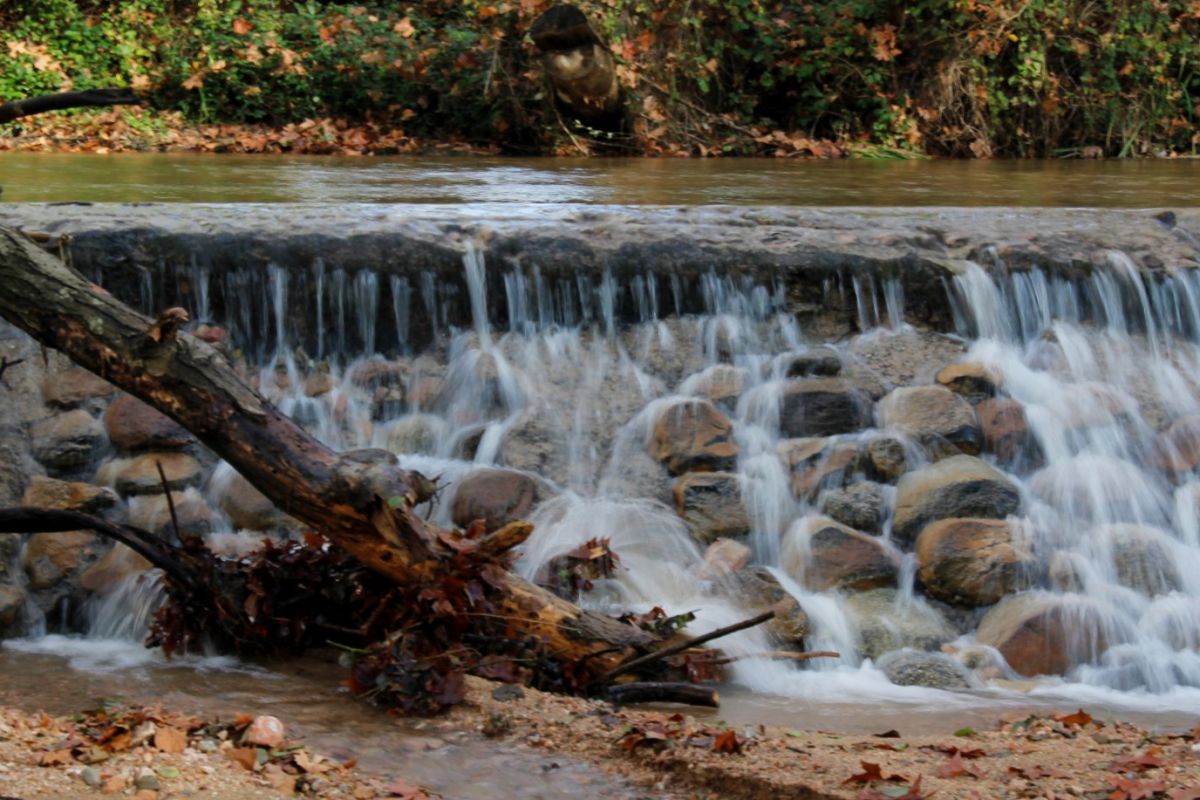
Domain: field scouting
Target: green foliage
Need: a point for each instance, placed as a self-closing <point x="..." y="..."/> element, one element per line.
<point x="961" y="77"/>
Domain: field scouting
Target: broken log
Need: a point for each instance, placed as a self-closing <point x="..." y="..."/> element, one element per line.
<point x="361" y="500"/>
<point x="650" y="692"/>
<point x="15" y="109"/>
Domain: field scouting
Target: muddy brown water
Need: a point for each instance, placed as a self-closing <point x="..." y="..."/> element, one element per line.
<point x="143" y="177"/>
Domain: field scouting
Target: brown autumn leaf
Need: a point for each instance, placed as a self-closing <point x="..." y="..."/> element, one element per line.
<point x="54" y="757"/>
<point x="1137" y="763"/>
<point x="241" y="27"/>
<point x="727" y="742"/>
<point x="405" y="791"/>
<point x="405" y="28"/>
<point x="1080" y="718"/>
<point x="873" y="772"/>
<point x="1184" y="794"/>
<point x="170" y="740"/>
<point x="1133" y="789"/>
<point x="954" y="767"/>
<point x="246" y="756"/>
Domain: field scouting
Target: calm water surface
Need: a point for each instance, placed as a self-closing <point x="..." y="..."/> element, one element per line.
<point x="59" y="177"/>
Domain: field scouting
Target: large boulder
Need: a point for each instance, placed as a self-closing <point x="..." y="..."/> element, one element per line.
<point x="1142" y="557"/>
<point x="139" y="475"/>
<point x="813" y="362"/>
<point x="248" y="508"/>
<point x="16" y="469"/>
<point x="710" y="504"/>
<point x="862" y="506"/>
<point x="536" y="442"/>
<point x="934" y="416"/>
<point x="67" y="441"/>
<point x="693" y="436"/>
<point x="884" y="625"/>
<point x="112" y="569"/>
<point x="74" y="387"/>
<point x="723" y="557"/>
<point x="885" y="458"/>
<point x="496" y="496"/>
<point x="822" y="407"/>
<point x="721" y="383"/>
<point x="153" y="513"/>
<point x="44" y="492"/>
<point x="1005" y="429"/>
<point x="822" y="554"/>
<point x="50" y="558"/>
<point x="973" y="562"/>
<point x="133" y="425"/>
<point x="931" y="670"/>
<point x="817" y="463"/>
<point x="1039" y="633"/>
<point x="755" y="589"/>
<point x="12" y="602"/>
<point x="970" y="379"/>
<point x="959" y="486"/>
<point x="417" y="433"/>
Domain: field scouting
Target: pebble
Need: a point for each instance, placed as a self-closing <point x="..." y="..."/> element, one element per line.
<point x="146" y="779"/>
<point x="264" y="731"/>
<point x="91" y="776"/>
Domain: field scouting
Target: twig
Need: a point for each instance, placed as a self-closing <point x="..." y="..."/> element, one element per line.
<point x="779" y="655"/>
<point x="170" y="500"/>
<point x="667" y="652"/>
<point x="688" y="693"/>
<point x="5" y="364"/>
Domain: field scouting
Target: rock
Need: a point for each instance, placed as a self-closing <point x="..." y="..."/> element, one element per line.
<point x="931" y="670"/>
<point x="371" y="373"/>
<point x="692" y="435"/>
<point x="497" y="496"/>
<point x="248" y="508"/>
<point x="139" y="475"/>
<point x="957" y="487"/>
<point x="886" y="458"/>
<point x="91" y="776"/>
<point x="1045" y="634"/>
<point x="862" y="506"/>
<point x="318" y="384"/>
<point x="815" y="361"/>
<point x="1005" y="429"/>
<point x="153" y="513"/>
<point x="68" y="440"/>
<point x="721" y="383"/>
<point x="723" y="557"/>
<point x="822" y="407"/>
<point x="818" y="463"/>
<point x="133" y="425"/>
<point x="755" y="589"/>
<point x="16" y="469"/>
<point x="112" y="569"/>
<point x="146" y="781"/>
<point x="1177" y="449"/>
<point x="73" y="387"/>
<point x="973" y="562"/>
<point x="44" y="492"/>
<point x="1142" y="556"/>
<point x="906" y="357"/>
<point x="970" y="379"/>
<point x="535" y="442"/>
<point x="265" y="731"/>
<point x="12" y="602"/>
<point x="883" y="625"/>
<point x="821" y="554"/>
<point x="1097" y="488"/>
<point x="1064" y="572"/>
<point x="416" y="433"/>
<point x="932" y="415"/>
<point x="711" y="505"/>
<point x="50" y="558"/>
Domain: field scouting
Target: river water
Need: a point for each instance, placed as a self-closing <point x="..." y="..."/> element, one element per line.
<point x="564" y="353"/>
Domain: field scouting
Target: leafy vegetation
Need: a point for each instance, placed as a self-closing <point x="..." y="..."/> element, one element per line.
<point x="703" y="77"/>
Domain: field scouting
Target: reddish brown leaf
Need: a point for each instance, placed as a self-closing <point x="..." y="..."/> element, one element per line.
<point x="170" y="740"/>
<point x="1184" y="794"/>
<point x="246" y="756"/>
<point x="1126" y="789"/>
<point x="727" y="742"/>
<point x="1137" y="763"/>
<point x="54" y="757"/>
<point x="1080" y="718"/>
<point x="872" y="772"/>
<point x="955" y="766"/>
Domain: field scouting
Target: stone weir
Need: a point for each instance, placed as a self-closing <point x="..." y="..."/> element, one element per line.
<point x="215" y="259"/>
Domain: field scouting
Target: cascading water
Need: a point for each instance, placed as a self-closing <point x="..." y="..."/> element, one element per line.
<point x="567" y="377"/>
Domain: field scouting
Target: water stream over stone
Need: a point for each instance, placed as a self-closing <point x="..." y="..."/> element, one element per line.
<point x="962" y="509"/>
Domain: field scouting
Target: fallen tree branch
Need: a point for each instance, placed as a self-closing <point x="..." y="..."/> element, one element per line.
<point x="651" y="692"/>
<point x="15" y="109"/>
<point x="778" y="655"/>
<point x="44" y="520"/>
<point x="666" y="652"/>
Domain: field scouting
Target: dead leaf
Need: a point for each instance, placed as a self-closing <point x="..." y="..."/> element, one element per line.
<point x="54" y="758"/>
<point x="727" y="742"/>
<point x="1080" y="718"/>
<point x="241" y="27"/>
<point x="872" y="772"/>
<point x="1127" y="789"/>
<point x="246" y="756"/>
<point x="170" y="740"/>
